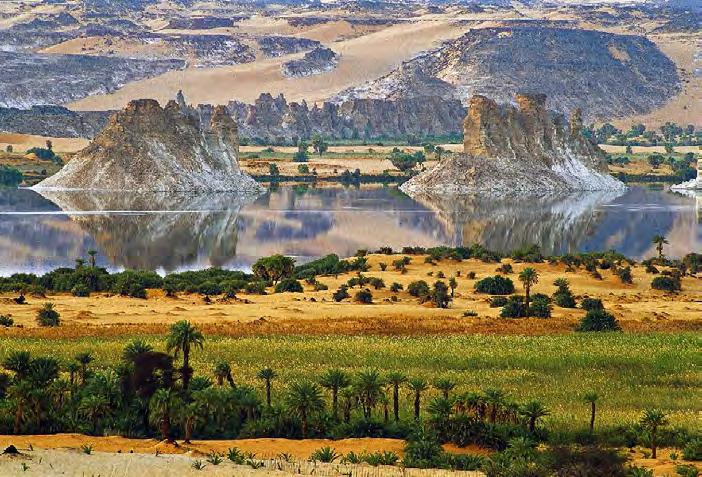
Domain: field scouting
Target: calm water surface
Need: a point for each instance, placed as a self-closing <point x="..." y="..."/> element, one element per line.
<point x="183" y="231"/>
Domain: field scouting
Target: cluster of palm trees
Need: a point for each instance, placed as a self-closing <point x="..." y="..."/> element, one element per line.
<point x="147" y="393"/>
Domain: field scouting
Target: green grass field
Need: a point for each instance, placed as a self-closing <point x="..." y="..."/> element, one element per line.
<point x="629" y="371"/>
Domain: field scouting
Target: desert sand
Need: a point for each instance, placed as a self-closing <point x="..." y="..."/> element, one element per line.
<point x="637" y="306"/>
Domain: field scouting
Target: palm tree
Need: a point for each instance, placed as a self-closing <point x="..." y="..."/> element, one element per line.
<point x="395" y="380"/>
<point x="304" y="398"/>
<point x="92" y="254"/>
<point x="19" y="363"/>
<point x="651" y="420"/>
<point x="385" y="402"/>
<point x="369" y="387"/>
<point x="134" y="349"/>
<point x="334" y="380"/>
<point x="267" y="374"/>
<point x="189" y="415"/>
<point x="659" y="241"/>
<point x="21" y="393"/>
<point x="453" y="284"/>
<point x="591" y="398"/>
<point x="440" y="409"/>
<point x="84" y="359"/>
<point x="73" y="369"/>
<point x="533" y="410"/>
<point x="348" y="398"/>
<point x="417" y="386"/>
<point x="223" y="371"/>
<point x="94" y="407"/>
<point x="495" y="398"/>
<point x="529" y="277"/>
<point x="161" y="406"/>
<point x="445" y="385"/>
<point x="182" y="337"/>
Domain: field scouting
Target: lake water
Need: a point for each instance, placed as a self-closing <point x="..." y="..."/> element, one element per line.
<point x="183" y="231"/>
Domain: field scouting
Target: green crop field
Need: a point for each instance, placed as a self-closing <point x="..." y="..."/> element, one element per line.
<point x="630" y="372"/>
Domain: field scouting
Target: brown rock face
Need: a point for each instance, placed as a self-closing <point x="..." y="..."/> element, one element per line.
<point x="148" y="148"/>
<point x="525" y="148"/>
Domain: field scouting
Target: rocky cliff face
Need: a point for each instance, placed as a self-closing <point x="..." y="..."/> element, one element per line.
<point x="523" y="149"/>
<point x="273" y="118"/>
<point x="53" y="121"/>
<point x="149" y="148"/>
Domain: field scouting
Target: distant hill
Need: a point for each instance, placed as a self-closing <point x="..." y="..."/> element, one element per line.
<point x="606" y="74"/>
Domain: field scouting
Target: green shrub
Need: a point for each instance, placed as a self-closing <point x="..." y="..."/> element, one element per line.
<point x="10" y="176"/>
<point x="693" y="449"/>
<point x="514" y="308"/>
<point x="598" y="320"/>
<point x="498" y="301"/>
<point x="210" y="288"/>
<point x="588" y="304"/>
<point x="364" y="296"/>
<point x="497" y="285"/>
<point x="396" y="287"/>
<point x="324" y="454"/>
<point x="289" y="285"/>
<point x="625" y="275"/>
<point x="47" y="316"/>
<point x="687" y="471"/>
<point x="540" y="308"/>
<point x="419" y="289"/>
<point x="6" y="321"/>
<point x="319" y="286"/>
<point x="80" y="290"/>
<point x="256" y="288"/>
<point x="668" y="284"/>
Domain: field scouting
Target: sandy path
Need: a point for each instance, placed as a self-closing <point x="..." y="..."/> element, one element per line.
<point x="22" y="142"/>
<point x="362" y="59"/>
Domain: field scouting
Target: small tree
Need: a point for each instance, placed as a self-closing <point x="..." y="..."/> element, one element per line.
<point x="48" y="316"/>
<point x="267" y="375"/>
<point x="453" y="284"/>
<point x="598" y="320"/>
<point x="591" y="398"/>
<point x="319" y="144"/>
<point x="529" y="277"/>
<point x="364" y="296"/>
<point x="652" y="420"/>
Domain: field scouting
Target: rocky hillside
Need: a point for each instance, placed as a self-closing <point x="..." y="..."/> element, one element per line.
<point x="524" y="149"/>
<point x="53" y="121"/>
<point x="606" y="74"/>
<point x="27" y="80"/>
<point x="149" y="148"/>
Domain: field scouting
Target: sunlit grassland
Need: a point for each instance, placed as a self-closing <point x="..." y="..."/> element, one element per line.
<point x="630" y="372"/>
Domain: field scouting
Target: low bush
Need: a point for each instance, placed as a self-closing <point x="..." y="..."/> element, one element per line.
<point x="341" y="294"/>
<point x="668" y="284"/>
<point x="497" y="285"/>
<point x="514" y="308"/>
<point x="598" y="320"/>
<point x="363" y="296"/>
<point x="588" y="304"/>
<point x="6" y="321"/>
<point x="47" y="316"/>
<point x="693" y="449"/>
<point x="289" y="285"/>
<point x="80" y="290"/>
<point x="498" y="301"/>
<point x="256" y="288"/>
<point x="419" y="289"/>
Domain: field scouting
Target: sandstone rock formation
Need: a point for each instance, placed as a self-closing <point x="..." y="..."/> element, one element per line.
<point x="149" y="148"/>
<point x="523" y="149"/>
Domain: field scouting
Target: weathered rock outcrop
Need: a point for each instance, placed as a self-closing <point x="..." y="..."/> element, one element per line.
<point x="273" y="118"/>
<point x="54" y="121"/>
<point x="522" y="149"/>
<point x="149" y="148"/>
<point x="314" y="62"/>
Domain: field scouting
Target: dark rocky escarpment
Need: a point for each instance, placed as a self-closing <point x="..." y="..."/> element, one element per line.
<point x="524" y="149"/>
<point x="54" y="121"/>
<point x="24" y="77"/>
<point x="606" y="74"/>
<point x="274" y="46"/>
<point x="148" y="148"/>
<point x="274" y="118"/>
<point x="314" y="62"/>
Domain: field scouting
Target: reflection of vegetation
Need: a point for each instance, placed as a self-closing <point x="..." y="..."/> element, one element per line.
<point x="10" y="176"/>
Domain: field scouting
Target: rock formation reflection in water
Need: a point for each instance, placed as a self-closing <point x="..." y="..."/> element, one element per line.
<point x="556" y="223"/>
<point x="156" y="230"/>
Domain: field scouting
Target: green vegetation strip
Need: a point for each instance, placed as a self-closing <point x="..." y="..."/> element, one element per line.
<point x="630" y="372"/>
